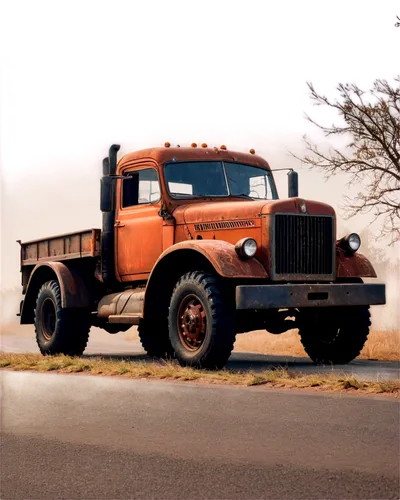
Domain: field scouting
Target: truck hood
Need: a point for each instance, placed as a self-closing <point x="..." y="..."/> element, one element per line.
<point x="246" y="209"/>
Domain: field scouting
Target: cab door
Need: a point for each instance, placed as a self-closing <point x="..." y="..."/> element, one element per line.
<point x="138" y="227"/>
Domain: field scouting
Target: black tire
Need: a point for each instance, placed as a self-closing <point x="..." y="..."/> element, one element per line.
<point x="200" y="304"/>
<point x="336" y="337"/>
<point x="58" y="330"/>
<point x="153" y="335"/>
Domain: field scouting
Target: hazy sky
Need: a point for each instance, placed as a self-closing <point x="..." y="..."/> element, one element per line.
<point x="77" y="76"/>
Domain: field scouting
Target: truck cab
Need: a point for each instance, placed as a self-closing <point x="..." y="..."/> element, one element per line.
<point x="196" y="247"/>
<point x="163" y="196"/>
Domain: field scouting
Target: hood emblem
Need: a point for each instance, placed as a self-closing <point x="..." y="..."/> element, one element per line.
<point x="303" y="207"/>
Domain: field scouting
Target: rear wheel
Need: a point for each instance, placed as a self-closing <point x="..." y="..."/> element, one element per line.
<point x="201" y="321"/>
<point x="153" y="335"/>
<point x="59" y="330"/>
<point x="335" y="336"/>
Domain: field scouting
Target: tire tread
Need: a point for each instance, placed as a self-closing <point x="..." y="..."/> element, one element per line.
<point x="72" y="326"/>
<point x="222" y="317"/>
<point x="347" y="345"/>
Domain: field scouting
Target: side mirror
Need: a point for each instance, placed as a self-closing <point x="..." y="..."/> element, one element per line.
<point x="106" y="194"/>
<point x="293" y="184"/>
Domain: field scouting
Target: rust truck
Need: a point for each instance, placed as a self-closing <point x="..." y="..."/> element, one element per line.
<point x="195" y="248"/>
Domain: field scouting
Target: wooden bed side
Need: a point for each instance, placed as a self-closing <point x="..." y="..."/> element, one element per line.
<point x="67" y="246"/>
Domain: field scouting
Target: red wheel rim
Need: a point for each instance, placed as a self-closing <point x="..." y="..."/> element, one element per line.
<point x="192" y="322"/>
<point x="48" y="319"/>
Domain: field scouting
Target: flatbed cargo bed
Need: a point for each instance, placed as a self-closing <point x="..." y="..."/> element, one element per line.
<point x="67" y="246"/>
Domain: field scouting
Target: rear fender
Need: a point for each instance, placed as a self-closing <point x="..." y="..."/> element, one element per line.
<point x="74" y="291"/>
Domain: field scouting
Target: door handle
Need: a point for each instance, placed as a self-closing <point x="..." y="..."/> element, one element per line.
<point x="118" y="224"/>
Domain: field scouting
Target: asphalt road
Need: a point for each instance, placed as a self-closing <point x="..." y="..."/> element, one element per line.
<point x="116" y="346"/>
<point x="73" y="437"/>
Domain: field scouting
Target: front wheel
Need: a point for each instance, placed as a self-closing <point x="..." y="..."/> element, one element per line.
<point x="335" y="336"/>
<point x="201" y="321"/>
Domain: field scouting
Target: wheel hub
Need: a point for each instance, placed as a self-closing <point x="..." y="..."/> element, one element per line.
<point x="192" y="322"/>
<point x="48" y="322"/>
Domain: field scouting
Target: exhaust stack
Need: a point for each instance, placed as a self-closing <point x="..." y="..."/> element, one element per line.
<point x="107" y="205"/>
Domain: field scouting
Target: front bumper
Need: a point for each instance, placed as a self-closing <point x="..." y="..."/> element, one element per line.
<point x="321" y="295"/>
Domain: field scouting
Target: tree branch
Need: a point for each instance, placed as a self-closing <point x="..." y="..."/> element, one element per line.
<point x="372" y="156"/>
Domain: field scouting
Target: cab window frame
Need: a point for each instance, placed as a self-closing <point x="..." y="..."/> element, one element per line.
<point x="133" y="170"/>
<point x="268" y="173"/>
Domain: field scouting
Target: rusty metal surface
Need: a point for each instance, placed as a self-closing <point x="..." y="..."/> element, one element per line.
<point x="139" y="232"/>
<point x="353" y="266"/>
<point x="223" y="221"/>
<point x="163" y="155"/>
<point x="74" y="289"/>
<point x="192" y="322"/>
<point x="223" y="257"/>
<point x="61" y="247"/>
<point x="196" y="221"/>
<point x="294" y="206"/>
<point x="168" y="235"/>
<point x="74" y="292"/>
<point x="128" y="302"/>
<point x="220" y="211"/>
<point x="125" y="319"/>
<point x="48" y="322"/>
<point x="316" y="295"/>
<point x="141" y="237"/>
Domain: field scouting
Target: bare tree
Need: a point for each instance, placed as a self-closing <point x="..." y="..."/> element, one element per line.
<point x="371" y="121"/>
<point x="398" y="24"/>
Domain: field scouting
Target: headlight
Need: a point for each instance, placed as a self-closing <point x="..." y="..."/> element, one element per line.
<point x="246" y="248"/>
<point x="351" y="242"/>
<point x="354" y="242"/>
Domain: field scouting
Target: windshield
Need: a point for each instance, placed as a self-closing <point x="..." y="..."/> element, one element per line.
<point x="218" y="179"/>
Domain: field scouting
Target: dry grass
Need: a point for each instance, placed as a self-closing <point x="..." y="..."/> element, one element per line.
<point x="262" y="342"/>
<point x="381" y="345"/>
<point x="172" y="371"/>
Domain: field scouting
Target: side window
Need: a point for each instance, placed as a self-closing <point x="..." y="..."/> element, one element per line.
<point x="258" y="186"/>
<point x="141" y="187"/>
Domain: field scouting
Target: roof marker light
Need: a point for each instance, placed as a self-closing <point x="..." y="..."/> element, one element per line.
<point x="222" y="147"/>
<point x="167" y="144"/>
<point x="193" y="145"/>
<point x="252" y="151"/>
<point x="204" y="145"/>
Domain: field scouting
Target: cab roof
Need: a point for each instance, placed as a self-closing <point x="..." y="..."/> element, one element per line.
<point x="165" y="154"/>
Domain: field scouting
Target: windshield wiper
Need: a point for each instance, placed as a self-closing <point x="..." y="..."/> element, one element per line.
<point x="187" y="195"/>
<point x="208" y="196"/>
<point x="242" y="195"/>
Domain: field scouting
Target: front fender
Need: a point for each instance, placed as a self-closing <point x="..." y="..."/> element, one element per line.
<point x="191" y="255"/>
<point x="222" y="256"/>
<point x="74" y="291"/>
<point x="350" y="266"/>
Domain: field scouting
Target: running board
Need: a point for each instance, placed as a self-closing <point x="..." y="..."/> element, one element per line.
<point x="126" y="319"/>
<point x="124" y="307"/>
